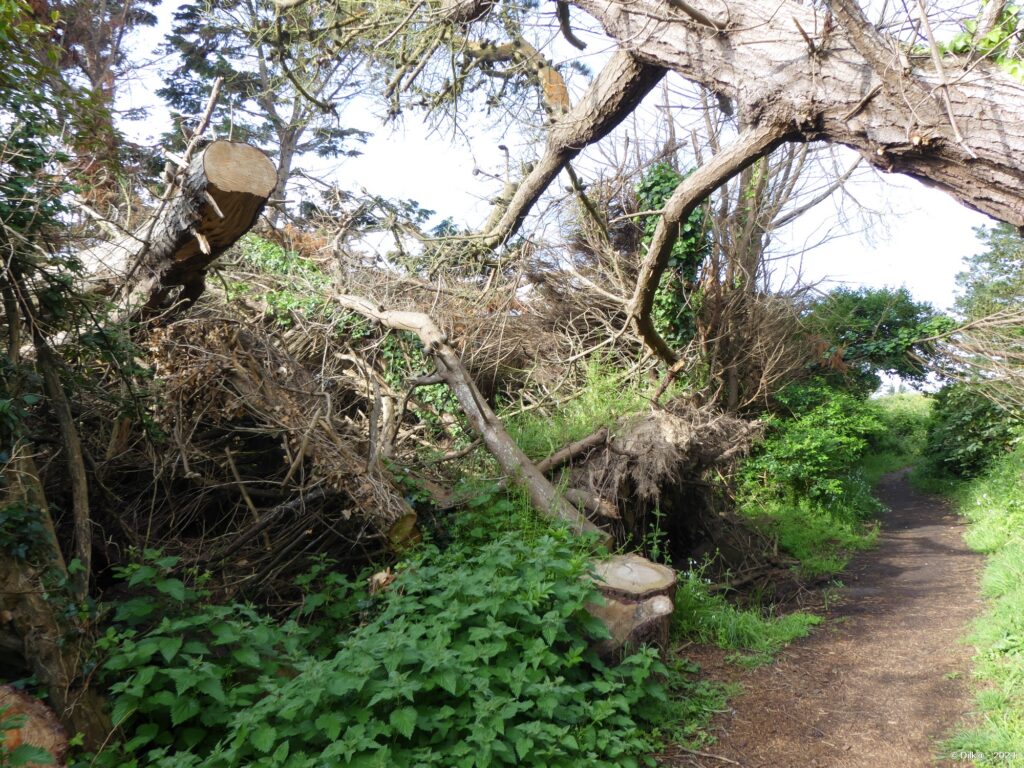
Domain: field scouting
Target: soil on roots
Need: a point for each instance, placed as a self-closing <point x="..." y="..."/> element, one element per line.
<point x="886" y="679"/>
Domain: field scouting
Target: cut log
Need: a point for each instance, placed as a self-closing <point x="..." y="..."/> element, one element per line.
<point x="40" y="727"/>
<point x="638" y="603"/>
<point x="216" y="201"/>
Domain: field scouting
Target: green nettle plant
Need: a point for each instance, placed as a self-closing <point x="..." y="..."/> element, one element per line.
<point x="815" y="452"/>
<point x="474" y="656"/>
<point x="21" y="754"/>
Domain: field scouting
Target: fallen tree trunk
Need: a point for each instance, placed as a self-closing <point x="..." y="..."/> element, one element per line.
<point x="482" y="419"/>
<point x="215" y="200"/>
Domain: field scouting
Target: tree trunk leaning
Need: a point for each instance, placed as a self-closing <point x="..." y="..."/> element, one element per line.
<point x="510" y="457"/>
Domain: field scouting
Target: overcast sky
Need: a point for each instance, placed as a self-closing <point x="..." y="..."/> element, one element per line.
<point x="921" y="246"/>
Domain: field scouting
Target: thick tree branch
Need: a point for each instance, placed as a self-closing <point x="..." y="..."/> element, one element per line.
<point x="858" y="89"/>
<point x="613" y="95"/>
<point x="749" y="146"/>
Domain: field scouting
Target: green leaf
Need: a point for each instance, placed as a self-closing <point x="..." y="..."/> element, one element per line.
<point x="212" y="687"/>
<point x="263" y="737"/>
<point x="143" y="573"/>
<point x="329" y="724"/>
<point x="23" y="754"/>
<point x="247" y="656"/>
<point x="173" y="588"/>
<point x="281" y="753"/>
<point x="184" y="709"/>
<point x="404" y="720"/>
<point x="169" y="647"/>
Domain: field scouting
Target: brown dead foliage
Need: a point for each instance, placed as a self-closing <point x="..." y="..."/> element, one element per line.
<point x="240" y="457"/>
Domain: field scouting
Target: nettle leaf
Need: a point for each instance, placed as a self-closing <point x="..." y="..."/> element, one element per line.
<point x="25" y="754"/>
<point x="173" y="588"/>
<point x="263" y="737"/>
<point x="404" y="720"/>
<point x="185" y="708"/>
<point x="213" y="688"/>
<point x="169" y="647"/>
<point x="247" y="656"/>
<point x="329" y="724"/>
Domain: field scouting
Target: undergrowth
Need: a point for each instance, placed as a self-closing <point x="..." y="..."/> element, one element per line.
<point x="994" y="505"/>
<point x="479" y="654"/>
<point x="754" y="638"/>
<point x="605" y="398"/>
<point x="810" y="482"/>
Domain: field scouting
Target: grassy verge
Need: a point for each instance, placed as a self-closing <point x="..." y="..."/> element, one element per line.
<point x="752" y="635"/>
<point x="994" y="505"/>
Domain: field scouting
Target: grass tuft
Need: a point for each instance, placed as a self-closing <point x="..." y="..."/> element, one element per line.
<point x="709" y="618"/>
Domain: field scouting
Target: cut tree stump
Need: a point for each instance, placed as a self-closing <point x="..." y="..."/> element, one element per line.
<point x="639" y="599"/>
<point x="40" y="729"/>
<point x="215" y="201"/>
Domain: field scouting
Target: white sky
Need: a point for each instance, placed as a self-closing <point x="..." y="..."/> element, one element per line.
<point x="921" y="246"/>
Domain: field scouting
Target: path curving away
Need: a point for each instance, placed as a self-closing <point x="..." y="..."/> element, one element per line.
<point x="886" y="677"/>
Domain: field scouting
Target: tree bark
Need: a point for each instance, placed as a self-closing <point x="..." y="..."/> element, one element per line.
<point x="829" y="75"/>
<point x="614" y="94"/>
<point x="752" y="144"/>
<point x="54" y="650"/>
<point x="217" y="200"/>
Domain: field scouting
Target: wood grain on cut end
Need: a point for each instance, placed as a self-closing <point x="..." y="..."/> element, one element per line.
<point x="235" y="167"/>
<point x="41" y="727"/>
<point x="634" y="577"/>
<point x="638" y="603"/>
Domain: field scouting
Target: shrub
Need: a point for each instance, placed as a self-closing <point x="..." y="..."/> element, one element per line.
<point x="815" y="453"/>
<point x="806" y="484"/>
<point x="967" y="431"/>
<point x="470" y="658"/>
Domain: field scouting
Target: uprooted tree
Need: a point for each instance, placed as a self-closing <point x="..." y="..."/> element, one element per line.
<point x="279" y="441"/>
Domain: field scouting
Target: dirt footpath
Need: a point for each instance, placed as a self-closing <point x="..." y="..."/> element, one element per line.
<point x="886" y="677"/>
